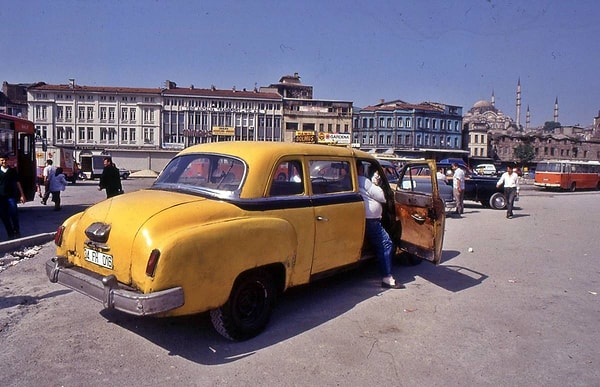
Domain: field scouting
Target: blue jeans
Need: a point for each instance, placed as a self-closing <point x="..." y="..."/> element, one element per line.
<point x="382" y="243"/>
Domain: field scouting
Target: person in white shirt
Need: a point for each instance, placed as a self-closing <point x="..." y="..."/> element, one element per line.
<point x="374" y="197"/>
<point x="510" y="180"/>
<point x="458" y="183"/>
<point x="48" y="172"/>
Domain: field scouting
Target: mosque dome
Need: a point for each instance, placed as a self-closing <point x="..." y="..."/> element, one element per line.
<point x="482" y="106"/>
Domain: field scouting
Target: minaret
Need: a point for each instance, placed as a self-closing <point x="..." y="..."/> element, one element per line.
<point x="519" y="103"/>
<point x="527" y="118"/>
<point x="493" y="99"/>
<point x="556" y="110"/>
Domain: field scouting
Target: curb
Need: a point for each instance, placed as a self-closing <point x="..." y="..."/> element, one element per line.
<point x="17" y="244"/>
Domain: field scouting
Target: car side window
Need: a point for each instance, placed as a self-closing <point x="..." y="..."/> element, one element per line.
<point x="330" y="176"/>
<point x="287" y="179"/>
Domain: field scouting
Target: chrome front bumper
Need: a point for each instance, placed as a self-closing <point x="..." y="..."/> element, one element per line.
<point x="109" y="292"/>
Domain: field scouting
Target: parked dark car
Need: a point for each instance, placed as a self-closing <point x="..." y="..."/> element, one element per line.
<point x="421" y="182"/>
<point x="480" y="189"/>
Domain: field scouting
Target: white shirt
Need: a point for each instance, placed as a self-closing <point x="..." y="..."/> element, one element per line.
<point x="48" y="171"/>
<point x="373" y="197"/>
<point x="459" y="176"/>
<point x="509" y="181"/>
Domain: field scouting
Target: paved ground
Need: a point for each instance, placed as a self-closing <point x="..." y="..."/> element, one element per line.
<point x="514" y="302"/>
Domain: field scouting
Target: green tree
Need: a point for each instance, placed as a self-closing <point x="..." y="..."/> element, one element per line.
<point x="549" y="126"/>
<point x="524" y="153"/>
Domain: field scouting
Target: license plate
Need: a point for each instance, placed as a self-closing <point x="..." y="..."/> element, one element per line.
<point x="98" y="258"/>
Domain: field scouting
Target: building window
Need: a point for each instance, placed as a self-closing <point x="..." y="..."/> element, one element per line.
<point x="81" y="115"/>
<point x="132" y="135"/>
<point x="132" y="114"/>
<point x="90" y="113"/>
<point x="60" y="113"/>
<point x="90" y="134"/>
<point x="148" y="135"/>
<point x="41" y="112"/>
<point x="124" y="114"/>
<point x="81" y="136"/>
<point x="407" y="122"/>
<point x="112" y="134"/>
<point x="103" y="113"/>
<point x="111" y="114"/>
<point x="124" y="135"/>
<point x="400" y="122"/>
<point x="148" y="115"/>
<point x="68" y="113"/>
<point x="103" y="134"/>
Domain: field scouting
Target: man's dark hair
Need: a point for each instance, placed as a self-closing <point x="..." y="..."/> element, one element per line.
<point x="49" y="162"/>
<point x="108" y="158"/>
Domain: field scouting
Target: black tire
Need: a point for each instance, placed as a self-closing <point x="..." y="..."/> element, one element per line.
<point x="573" y="187"/>
<point x="497" y="201"/>
<point x="248" y="310"/>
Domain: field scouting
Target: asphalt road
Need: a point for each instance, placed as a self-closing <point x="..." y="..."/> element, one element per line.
<point x="521" y="308"/>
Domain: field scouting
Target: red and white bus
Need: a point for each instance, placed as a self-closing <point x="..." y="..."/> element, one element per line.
<point x="566" y="174"/>
<point x="17" y="140"/>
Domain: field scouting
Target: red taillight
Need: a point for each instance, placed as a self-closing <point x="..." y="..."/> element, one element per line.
<point x="59" y="235"/>
<point x="152" y="262"/>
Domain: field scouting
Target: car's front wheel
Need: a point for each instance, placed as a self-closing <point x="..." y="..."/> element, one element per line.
<point x="249" y="307"/>
<point x="498" y="201"/>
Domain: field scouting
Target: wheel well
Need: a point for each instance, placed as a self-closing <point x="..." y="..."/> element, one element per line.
<point x="277" y="272"/>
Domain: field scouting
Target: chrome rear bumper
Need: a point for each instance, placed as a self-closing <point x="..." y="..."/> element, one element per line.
<point x="109" y="292"/>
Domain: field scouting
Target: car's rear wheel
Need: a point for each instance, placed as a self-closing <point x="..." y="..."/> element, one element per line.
<point x="249" y="307"/>
<point x="497" y="201"/>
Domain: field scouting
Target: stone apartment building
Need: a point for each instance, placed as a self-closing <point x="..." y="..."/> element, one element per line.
<point x="143" y="128"/>
<point x="428" y="129"/>
<point x="13" y="99"/>
<point x="312" y="120"/>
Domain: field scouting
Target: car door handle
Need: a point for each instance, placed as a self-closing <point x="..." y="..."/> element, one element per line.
<point x="322" y="219"/>
<point x="418" y="218"/>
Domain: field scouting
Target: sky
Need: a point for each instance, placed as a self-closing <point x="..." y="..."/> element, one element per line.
<point x="452" y="52"/>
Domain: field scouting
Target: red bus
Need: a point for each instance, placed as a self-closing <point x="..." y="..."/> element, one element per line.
<point x="565" y="174"/>
<point x="17" y="140"/>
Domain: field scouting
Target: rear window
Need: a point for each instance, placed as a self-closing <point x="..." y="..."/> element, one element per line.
<point x="201" y="171"/>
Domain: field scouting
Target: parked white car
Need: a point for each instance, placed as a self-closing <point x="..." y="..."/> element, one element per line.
<point x="486" y="169"/>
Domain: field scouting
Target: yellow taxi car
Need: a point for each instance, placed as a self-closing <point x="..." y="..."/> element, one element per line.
<point x="227" y="226"/>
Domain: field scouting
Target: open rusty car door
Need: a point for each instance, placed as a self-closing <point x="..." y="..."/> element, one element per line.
<point x="420" y="210"/>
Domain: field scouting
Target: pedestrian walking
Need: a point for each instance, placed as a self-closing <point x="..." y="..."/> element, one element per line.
<point x="58" y="182"/>
<point x="10" y="192"/>
<point x="458" y="184"/>
<point x="510" y="180"/>
<point x="110" y="180"/>
<point x="48" y="172"/>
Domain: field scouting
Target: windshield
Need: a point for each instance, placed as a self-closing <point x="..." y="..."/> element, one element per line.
<point x="196" y="172"/>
